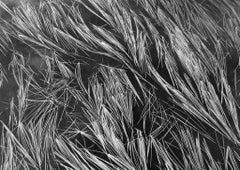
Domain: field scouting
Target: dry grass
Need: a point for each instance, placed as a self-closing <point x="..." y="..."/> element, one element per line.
<point x="121" y="85"/>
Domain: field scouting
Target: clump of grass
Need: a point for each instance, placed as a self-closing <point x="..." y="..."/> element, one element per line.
<point x="121" y="85"/>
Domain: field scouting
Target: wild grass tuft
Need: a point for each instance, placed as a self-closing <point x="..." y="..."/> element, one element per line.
<point x="120" y="85"/>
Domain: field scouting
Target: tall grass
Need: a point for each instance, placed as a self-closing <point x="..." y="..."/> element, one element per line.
<point x="121" y="85"/>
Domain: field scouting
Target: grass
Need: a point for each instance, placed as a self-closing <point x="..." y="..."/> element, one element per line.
<point x="120" y="85"/>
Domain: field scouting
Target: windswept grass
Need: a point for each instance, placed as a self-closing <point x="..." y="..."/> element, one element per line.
<point x="120" y="85"/>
